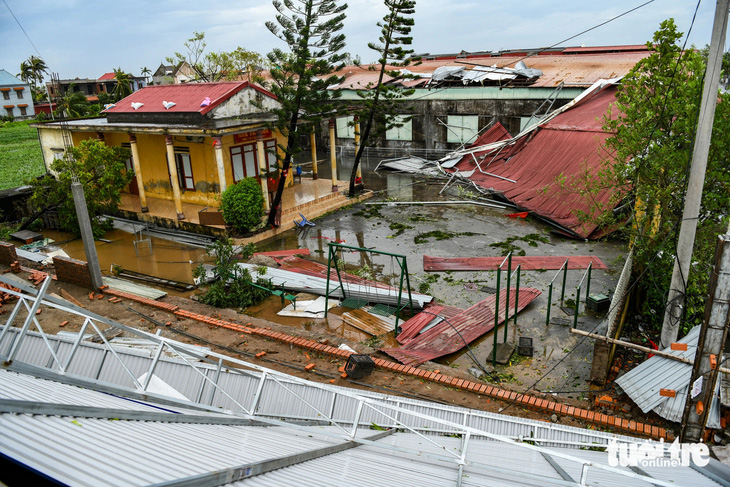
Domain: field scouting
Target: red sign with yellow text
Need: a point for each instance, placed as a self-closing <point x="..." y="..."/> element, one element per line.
<point x="251" y="136"/>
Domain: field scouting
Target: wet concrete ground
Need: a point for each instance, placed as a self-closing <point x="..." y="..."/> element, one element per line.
<point x="561" y="360"/>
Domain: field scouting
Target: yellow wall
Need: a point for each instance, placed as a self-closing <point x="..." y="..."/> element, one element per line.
<point x="153" y="162"/>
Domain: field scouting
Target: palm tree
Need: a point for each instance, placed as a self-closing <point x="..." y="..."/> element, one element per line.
<point x="73" y="104"/>
<point x="123" y="87"/>
<point x="32" y="70"/>
<point x="145" y="72"/>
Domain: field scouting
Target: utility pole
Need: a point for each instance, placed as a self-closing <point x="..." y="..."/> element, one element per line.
<point x="710" y="346"/>
<point x="87" y="236"/>
<point x="675" y="301"/>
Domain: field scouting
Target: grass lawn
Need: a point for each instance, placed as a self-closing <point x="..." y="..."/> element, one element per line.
<point x="20" y="154"/>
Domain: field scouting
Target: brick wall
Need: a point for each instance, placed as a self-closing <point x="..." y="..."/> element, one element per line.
<point x="73" y="271"/>
<point x="7" y="253"/>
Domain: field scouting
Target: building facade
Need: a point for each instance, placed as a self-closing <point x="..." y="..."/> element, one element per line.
<point x="188" y="142"/>
<point x="17" y="99"/>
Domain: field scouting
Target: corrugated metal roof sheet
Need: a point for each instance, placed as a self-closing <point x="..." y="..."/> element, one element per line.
<point x="582" y="67"/>
<point x="187" y="97"/>
<point x="464" y="328"/>
<point x="566" y="146"/>
<point x="643" y="383"/>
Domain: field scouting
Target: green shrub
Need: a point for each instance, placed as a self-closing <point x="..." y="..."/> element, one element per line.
<point x="242" y="204"/>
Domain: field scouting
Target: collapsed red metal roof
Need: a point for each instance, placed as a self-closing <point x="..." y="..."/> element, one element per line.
<point x="569" y="147"/>
<point x="187" y="97"/>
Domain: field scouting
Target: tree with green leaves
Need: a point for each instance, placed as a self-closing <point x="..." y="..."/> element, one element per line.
<point x="380" y="102"/>
<point x="145" y="71"/>
<point x="99" y="168"/>
<point x="32" y="71"/>
<point x="301" y="76"/>
<point x="123" y="88"/>
<point x="73" y="104"/>
<point x="650" y="156"/>
<point x="219" y="66"/>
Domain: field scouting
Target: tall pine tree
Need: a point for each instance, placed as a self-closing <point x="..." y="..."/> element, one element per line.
<point x="380" y="103"/>
<point x="300" y="78"/>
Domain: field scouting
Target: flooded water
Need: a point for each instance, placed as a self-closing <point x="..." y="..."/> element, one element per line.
<point x="163" y="258"/>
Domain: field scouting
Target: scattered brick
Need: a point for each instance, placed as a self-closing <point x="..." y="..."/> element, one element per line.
<point x="260" y="354"/>
<point x="344" y="375"/>
<point x="63" y="324"/>
<point x="309" y="367"/>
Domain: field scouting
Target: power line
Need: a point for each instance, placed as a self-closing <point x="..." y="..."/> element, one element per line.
<point x="21" y="28"/>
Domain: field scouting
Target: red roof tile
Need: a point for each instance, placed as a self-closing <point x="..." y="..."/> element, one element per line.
<point x="106" y="76"/>
<point x="187" y="97"/>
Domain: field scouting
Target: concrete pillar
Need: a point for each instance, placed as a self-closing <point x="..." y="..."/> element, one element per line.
<point x="82" y="213"/>
<point x="218" y="149"/>
<point x="358" y="175"/>
<point x="333" y="155"/>
<point x="175" y="180"/>
<point x="263" y="172"/>
<point x="138" y="172"/>
<point x="313" y="144"/>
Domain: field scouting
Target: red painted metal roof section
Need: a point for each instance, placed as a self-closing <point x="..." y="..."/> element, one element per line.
<point x="472" y="323"/>
<point x="187" y="97"/>
<point x="583" y="50"/>
<point x="528" y="263"/>
<point x="284" y="253"/>
<point x="415" y="324"/>
<point x="106" y="76"/>
<point x="570" y="146"/>
<point x="317" y="269"/>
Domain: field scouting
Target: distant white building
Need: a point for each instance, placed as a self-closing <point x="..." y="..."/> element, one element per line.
<point x="17" y="100"/>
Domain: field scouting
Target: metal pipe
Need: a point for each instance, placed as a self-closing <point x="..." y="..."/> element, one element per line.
<point x="588" y="284"/>
<point x="565" y="276"/>
<point x="577" y="305"/>
<point x="29" y="318"/>
<point x="76" y="344"/>
<point x="506" y="299"/>
<point x="550" y="304"/>
<point x="517" y="292"/>
<point x="496" y="318"/>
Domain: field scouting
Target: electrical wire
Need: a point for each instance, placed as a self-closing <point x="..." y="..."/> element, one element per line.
<point x="21" y="28"/>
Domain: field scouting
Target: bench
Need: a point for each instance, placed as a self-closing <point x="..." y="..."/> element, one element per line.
<point x="278" y="292"/>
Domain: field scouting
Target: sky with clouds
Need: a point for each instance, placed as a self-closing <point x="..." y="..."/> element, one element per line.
<point x="87" y="38"/>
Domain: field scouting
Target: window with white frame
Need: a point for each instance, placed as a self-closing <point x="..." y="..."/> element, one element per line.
<point x="345" y="129"/>
<point x="270" y="148"/>
<point x="184" y="168"/>
<point x="462" y="129"/>
<point x="404" y="132"/>
<point x="244" y="161"/>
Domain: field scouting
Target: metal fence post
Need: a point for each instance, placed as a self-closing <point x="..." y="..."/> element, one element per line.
<point x="577" y="304"/>
<point x="496" y="318"/>
<point x="565" y="277"/>
<point x="517" y="292"/>
<point x="506" y="299"/>
<point x="588" y="284"/>
<point x="550" y="304"/>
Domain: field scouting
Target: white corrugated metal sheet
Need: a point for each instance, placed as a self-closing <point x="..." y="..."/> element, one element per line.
<point x="278" y="401"/>
<point x="643" y="383"/>
<point x="294" y="281"/>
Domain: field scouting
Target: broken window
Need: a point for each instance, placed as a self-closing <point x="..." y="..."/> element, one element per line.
<point x="345" y="129"/>
<point x="404" y="132"/>
<point x="462" y="129"/>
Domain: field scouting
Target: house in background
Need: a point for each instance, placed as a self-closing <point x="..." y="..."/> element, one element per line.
<point x="17" y="100"/>
<point x="91" y="88"/>
<point x="168" y="74"/>
<point x="458" y="96"/>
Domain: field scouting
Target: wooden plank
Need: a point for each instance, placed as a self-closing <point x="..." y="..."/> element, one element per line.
<point x="366" y="322"/>
<point x="528" y="263"/>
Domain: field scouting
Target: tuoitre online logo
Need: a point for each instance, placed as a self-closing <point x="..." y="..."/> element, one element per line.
<point x="655" y="455"/>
